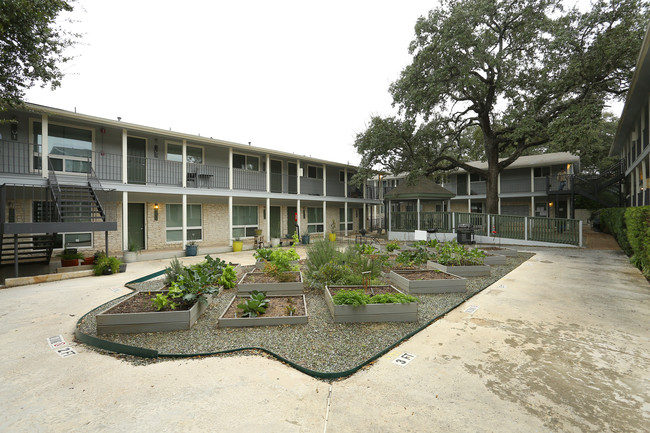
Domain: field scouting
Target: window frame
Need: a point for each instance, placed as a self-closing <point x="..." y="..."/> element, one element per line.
<point x="318" y="169"/>
<point x="245" y="227"/>
<point x="37" y="155"/>
<point x="175" y="143"/>
<point x="349" y="220"/>
<point x="180" y="228"/>
<point x="317" y="226"/>
<point x="246" y="157"/>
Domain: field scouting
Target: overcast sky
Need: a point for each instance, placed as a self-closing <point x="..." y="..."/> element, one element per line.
<point x="295" y="76"/>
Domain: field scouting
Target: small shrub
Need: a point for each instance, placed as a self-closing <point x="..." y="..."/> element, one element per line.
<point x="392" y="246"/>
<point x="255" y="306"/>
<point x="351" y="297"/>
<point x="228" y="279"/>
<point x="161" y="301"/>
<point x="392" y="298"/>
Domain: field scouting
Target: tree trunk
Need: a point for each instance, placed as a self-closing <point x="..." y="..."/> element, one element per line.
<point x="492" y="180"/>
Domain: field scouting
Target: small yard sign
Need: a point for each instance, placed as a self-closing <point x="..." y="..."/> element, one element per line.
<point x="471" y="309"/>
<point x="404" y="359"/>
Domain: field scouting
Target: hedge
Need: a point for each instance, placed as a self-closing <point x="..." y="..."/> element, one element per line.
<point x="631" y="228"/>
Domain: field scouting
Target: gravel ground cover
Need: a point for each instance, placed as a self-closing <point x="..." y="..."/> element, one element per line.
<point x="319" y="345"/>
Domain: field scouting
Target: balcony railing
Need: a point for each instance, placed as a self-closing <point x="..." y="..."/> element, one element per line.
<point x="311" y="186"/>
<point x="17" y="158"/>
<point x="248" y="180"/>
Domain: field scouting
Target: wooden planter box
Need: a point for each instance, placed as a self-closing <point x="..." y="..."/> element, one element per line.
<point x="153" y="321"/>
<point x="447" y="285"/>
<point x="283" y="289"/>
<point x="240" y="322"/>
<point x="461" y="271"/>
<point x="370" y="312"/>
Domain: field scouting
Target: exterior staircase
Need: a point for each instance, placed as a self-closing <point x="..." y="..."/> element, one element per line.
<point x="28" y="248"/>
<point x="605" y="188"/>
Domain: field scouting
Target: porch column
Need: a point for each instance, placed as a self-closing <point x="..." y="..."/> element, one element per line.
<point x="125" y="220"/>
<point x="184" y="216"/>
<point x="267" y="238"/>
<point x="299" y="212"/>
<point x="324" y="182"/>
<point x="230" y="170"/>
<point x="230" y="217"/>
<point x="418" y="208"/>
<point x="532" y="206"/>
<point x="532" y="179"/>
<point x="125" y="157"/>
<point x="268" y="174"/>
<point x="324" y="217"/>
<point x="345" y="217"/>
<point x="345" y="183"/>
<point x="298" y="176"/>
<point x="45" y="150"/>
<point x="184" y="172"/>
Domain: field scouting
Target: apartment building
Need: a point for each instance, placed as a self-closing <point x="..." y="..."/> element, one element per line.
<point x="96" y="183"/>
<point x="631" y="139"/>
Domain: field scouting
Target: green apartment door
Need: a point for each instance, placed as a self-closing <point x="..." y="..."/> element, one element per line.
<point x="291" y="222"/>
<point x="136" y="165"/>
<point x="276" y="176"/>
<point x="276" y="228"/>
<point x="136" y="224"/>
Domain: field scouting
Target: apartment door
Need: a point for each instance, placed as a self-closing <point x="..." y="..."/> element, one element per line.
<point x="276" y="227"/>
<point x="276" y="176"/>
<point x="292" y="169"/>
<point x="136" y="166"/>
<point x="561" y="209"/>
<point x="136" y="225"/>
<point x="291" y="221"/>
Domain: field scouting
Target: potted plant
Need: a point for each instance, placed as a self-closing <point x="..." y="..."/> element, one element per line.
<point x="191" y="249"/>
<point x="237" y="245"/>
<point x="70" y="257"/>
<point x="130" y="255"/>
<point x="107" y="265"/>
<point x="332" y="235"/>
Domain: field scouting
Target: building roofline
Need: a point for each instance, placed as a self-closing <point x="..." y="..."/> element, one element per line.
<point x="179" y="135"/>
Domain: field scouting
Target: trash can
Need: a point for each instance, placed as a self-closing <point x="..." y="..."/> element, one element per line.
<point x="305" y="239"/>
<point x="465" y="234"/>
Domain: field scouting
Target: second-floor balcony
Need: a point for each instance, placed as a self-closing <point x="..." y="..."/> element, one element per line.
<point x="25" y="159"/>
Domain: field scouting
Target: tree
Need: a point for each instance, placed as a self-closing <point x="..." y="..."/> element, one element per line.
<point x="32" y="47"/>
<point x="526" y="73"/>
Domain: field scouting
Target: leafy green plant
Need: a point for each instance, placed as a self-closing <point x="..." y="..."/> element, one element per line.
<point x="103" y="263"/>
<point x="392" y="298"/>
<point x="295" y="239"/>
<point x="71" y="254"/>
<point x="162" y="301"/>
<point x="193" y="283"/>
<point x="453" y="254"/>
<point x="330" y="273"/>
<point x="280" y="264"/>
<point x="228" y="279"/>
<point x="263" y="254"/>
<point x="431" y="243"/>
<point x="365" y="248"/>
<point x="392" y="246"/>
<point x="411" y="258"/>
<point x="255" y="306"/>
<point x="351" y="297"/>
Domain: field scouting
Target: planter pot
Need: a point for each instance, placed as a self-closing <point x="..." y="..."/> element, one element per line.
<point x="305" y="239"/>
<point x="461" y="271"/>
<point x="275" y="242"/>
<point x="239" y="322"/>
<point x="449" y="284"/>
<point x="285" y="289"/>
<point x="237" y="246"/>
<point x="332" y="237"/>
<point x="69" y="262"/>
<point x="151" y="321"/>
<point x="191" y="250"/>
<point x="370" y="312"/>
<point x="89" y="260"/>
<point x="129" y="256"/>
<point x="123" y="267"/>
<point x="107" y="271"/>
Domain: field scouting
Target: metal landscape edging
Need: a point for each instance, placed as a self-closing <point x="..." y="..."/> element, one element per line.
<point x="151" y="353"/>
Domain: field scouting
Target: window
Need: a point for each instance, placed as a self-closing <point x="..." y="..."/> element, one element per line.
<point x="315" y="220"/>
<point x="244" y="221"/>
<point x="174" y="222"/>
<point x="193" y="154"/>
<point x="475" y="177"/>
<point x="343" y="219"/>
<point x="245" y="162"/>
<point x="542" y="171"/>
<point x="477" y="207"/>
<point x="70" y="149"/>
<point x="314" y="172"/>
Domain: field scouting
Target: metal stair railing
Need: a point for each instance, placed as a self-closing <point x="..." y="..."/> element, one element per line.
<point x="96" y="189"/>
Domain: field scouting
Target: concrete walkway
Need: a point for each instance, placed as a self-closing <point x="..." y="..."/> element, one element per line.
<point x="560" y="344"/>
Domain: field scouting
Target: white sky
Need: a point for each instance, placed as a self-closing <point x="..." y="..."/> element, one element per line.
<point x="295" y="76"/>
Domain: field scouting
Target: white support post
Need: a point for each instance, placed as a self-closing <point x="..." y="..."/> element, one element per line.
<point x="345" y="218"/>
<point x="489" y="227"/>
<point x="525" y="228"/>
<point x="324" y="182"/>
<point x="125" y="157"/>
<point x="418" y="206"/>
<point x="345" y="183"/>
<point x="453" y="222"/>
<point x="324" y="218"/>
<point x="298" y="176"/>
<point x="184" y="167"/>
<point x="388" y="229"/>
<point x="125" y="220"/>
<point x="268" y="173"/>
<point x="184" y="214"/>
<point x="230" y="184"/>
<point x="580" y="233"/>
<point x="45" y="149"/>
<point x="267" y="238"/>
<point x="230" y="215"/>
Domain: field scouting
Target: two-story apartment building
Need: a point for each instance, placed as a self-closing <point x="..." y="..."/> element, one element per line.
<point x="631" y="142"/>
<point x="159" y="188"/>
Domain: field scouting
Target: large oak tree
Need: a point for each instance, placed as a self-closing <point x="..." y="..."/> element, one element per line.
<point x="32" y="46"/>
<point x="515" y="74"/>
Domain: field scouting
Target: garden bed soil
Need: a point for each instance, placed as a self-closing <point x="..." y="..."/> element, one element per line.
<point x="141" y="302"/>
<point x="261" y="277"/>
<point x="461" y="271"/>
<point x="428" y="282"/>
<point x="275" y="314"/>
<point x="271" y="286"/>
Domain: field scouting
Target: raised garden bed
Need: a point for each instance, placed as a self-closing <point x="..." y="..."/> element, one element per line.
<point x="427" y="281"/>
<point x="494" y="259"/>
<point x="508" y="252"/>
<point x="370" y="312"/>
<point x="275" y="314"/>
<point x="461" y="271"/>
<point x="131" y="316"/>
<point x="263" y="283"/>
